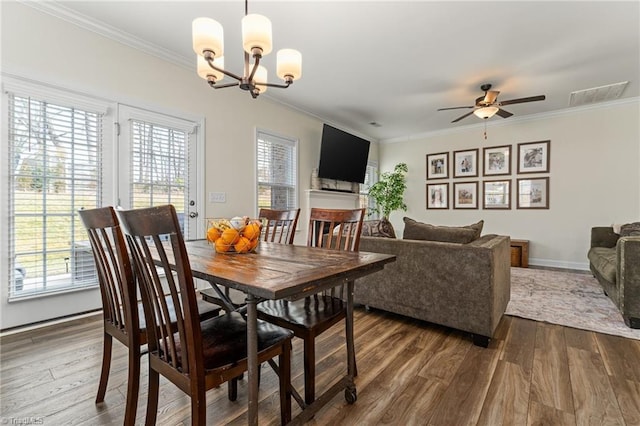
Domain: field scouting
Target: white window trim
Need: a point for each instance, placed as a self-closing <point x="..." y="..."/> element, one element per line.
<point x="49" y="93"/>
<point x="296" y="142"/>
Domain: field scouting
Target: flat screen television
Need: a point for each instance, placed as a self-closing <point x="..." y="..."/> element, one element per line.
<point x="343" y="156"/>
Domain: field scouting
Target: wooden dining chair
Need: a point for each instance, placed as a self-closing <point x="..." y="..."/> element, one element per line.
<point x="122" y="313"/>
<point x="279" y="226"/>
<point x="197" y="356"/>
<point x="311" y="316"/>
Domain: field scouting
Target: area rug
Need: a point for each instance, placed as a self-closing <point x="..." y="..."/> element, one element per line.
<point x="570" y="299"/>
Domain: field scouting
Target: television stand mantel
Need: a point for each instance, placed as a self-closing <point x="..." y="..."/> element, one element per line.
<point x="344" y="191"/>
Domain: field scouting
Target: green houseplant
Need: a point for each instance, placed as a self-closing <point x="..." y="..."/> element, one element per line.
<point x="388" y="193"/>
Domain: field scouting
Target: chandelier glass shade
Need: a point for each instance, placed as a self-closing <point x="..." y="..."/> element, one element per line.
<point x="486" y="112"/>
<point x="208" y="43"/>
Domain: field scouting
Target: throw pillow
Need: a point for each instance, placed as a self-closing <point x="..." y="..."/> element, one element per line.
<point x="377" y="228"/>
<point x="630" y="229"/>
<point x="414" y="230"/>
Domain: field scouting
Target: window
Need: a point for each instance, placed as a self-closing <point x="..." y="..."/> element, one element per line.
<point x="55" y="168"/>
<point x="277" y="172"/>
<point x="370" y="177"/>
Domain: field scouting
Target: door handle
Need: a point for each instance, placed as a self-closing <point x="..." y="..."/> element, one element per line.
<point x="193" y="215"/>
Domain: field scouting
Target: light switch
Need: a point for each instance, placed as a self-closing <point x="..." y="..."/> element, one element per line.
<point x="217" y="197"/>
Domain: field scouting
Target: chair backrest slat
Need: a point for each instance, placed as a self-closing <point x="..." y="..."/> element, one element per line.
<point x="280" y="225"/>
<point x="165" y="277"/>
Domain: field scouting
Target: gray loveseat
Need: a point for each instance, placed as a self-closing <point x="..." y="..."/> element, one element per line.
<point x="615" y="261"/>
<point x="463" y="286"/>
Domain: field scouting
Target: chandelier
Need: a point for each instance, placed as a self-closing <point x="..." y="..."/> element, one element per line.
<point x="208" y="43"/>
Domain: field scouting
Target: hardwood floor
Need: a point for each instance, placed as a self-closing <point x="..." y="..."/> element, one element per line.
<point x="410" y="373"/>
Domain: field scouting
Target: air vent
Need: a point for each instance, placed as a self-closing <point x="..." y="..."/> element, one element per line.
<point x="597" y="94"/>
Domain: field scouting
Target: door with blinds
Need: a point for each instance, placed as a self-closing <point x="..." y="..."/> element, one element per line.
<point x="158" y="165"/>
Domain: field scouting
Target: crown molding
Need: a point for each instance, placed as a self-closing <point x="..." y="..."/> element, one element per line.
<point x="522" y="119"/>
<point x="61" y="12"/>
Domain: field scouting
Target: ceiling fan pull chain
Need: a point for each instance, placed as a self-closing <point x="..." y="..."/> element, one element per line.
<point x="485" y="129"/>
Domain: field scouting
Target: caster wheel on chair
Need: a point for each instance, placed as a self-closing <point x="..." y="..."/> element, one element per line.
<point x="350" y="396"/>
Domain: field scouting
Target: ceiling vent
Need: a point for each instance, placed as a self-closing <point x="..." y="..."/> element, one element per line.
<point x="597" y="94"/>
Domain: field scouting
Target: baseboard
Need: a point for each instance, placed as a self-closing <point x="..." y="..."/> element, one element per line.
<point x="55" y="322"/>
<point x="549" y="263"/>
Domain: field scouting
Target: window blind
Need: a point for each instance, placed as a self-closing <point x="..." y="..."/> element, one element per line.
<point x="370" y="178"/>
<point x="277" y="172"/>
<point x="54" y="170"/>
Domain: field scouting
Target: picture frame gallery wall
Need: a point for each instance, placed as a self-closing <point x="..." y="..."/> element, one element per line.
<point x="448" y="173"/>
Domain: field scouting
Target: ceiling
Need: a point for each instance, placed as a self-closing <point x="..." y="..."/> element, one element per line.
<point x="395" y="63"/>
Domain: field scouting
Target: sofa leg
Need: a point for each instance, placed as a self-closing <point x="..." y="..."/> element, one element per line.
<point x="632" y="322"/>
<point x="482" y="341"/>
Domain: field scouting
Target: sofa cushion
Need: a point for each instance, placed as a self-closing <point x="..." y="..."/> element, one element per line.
<point x="414" y="230"/>
<point x="603" y="259"/>
<point x="377" y="228"/>
<point x="630" y="230"/>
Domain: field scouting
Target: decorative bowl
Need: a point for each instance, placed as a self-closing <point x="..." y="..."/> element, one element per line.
<point x="235" y="235"/>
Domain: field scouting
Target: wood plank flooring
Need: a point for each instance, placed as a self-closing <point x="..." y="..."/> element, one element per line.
<point x="410" y="373"/>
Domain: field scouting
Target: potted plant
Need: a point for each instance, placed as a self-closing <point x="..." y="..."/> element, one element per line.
<point x="388" y="194"/>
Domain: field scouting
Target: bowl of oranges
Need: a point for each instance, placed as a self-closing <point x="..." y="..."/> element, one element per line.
<point x="235" y="235"/>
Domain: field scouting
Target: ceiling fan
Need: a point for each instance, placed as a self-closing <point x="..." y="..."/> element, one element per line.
<point x="488" y="105"/>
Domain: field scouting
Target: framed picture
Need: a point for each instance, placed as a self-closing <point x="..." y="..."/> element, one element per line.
<point x="497" y="160"/>
<point x="437" y="195"/>
<point x="465" y="163"/>
<point x="533" y="157"/>
<point x="533" y="193"/>
<point x="438" y="166"/>
<point x="465" y="195"/>
<point x="497" y="194"/>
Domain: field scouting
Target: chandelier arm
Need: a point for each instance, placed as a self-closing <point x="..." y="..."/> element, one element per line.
<point x="222" y="86"/>
<point x="255" y="65"/>
<point x="281" y="86"/>
<point x="225" y="72"/>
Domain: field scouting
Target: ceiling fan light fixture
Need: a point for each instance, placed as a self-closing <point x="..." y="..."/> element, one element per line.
<point x="486" y="112"/>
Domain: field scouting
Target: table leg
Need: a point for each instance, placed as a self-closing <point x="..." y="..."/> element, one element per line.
<point x="350" y="391"/>
<point x="252" y="359"/>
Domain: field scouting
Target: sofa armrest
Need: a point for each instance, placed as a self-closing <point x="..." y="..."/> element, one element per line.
<point x="603" y="236"/>
<point x="628" y="274"/>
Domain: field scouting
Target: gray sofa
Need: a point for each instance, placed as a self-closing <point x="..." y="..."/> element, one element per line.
<point x="615" y="261"/>
<point x="463" y="286"/>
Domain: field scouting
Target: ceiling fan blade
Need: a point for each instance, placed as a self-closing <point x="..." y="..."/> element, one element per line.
<point x="491" y="96"/>
<point x="464" y="116"/>
<point x="504" y="114"/>
<point x="460" y="107"/>
<point x="523" y="100"/>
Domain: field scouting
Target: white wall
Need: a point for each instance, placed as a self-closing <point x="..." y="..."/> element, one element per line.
<point x="38" y="46"/>
<point x="594" y="178"/>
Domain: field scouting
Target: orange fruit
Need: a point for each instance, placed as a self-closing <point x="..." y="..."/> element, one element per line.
<point x="251" y="231"/>
<point x="230" y="236"/>
<point x="213" y="234"/>
<point x="221" y="246"/>
<point x="254" y="244"/>
<point x="243" y="245"/>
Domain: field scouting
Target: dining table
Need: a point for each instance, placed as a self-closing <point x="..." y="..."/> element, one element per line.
<point x="291" y="272"/>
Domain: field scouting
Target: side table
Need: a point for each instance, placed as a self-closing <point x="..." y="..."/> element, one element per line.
<point x="520" y="253"/>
